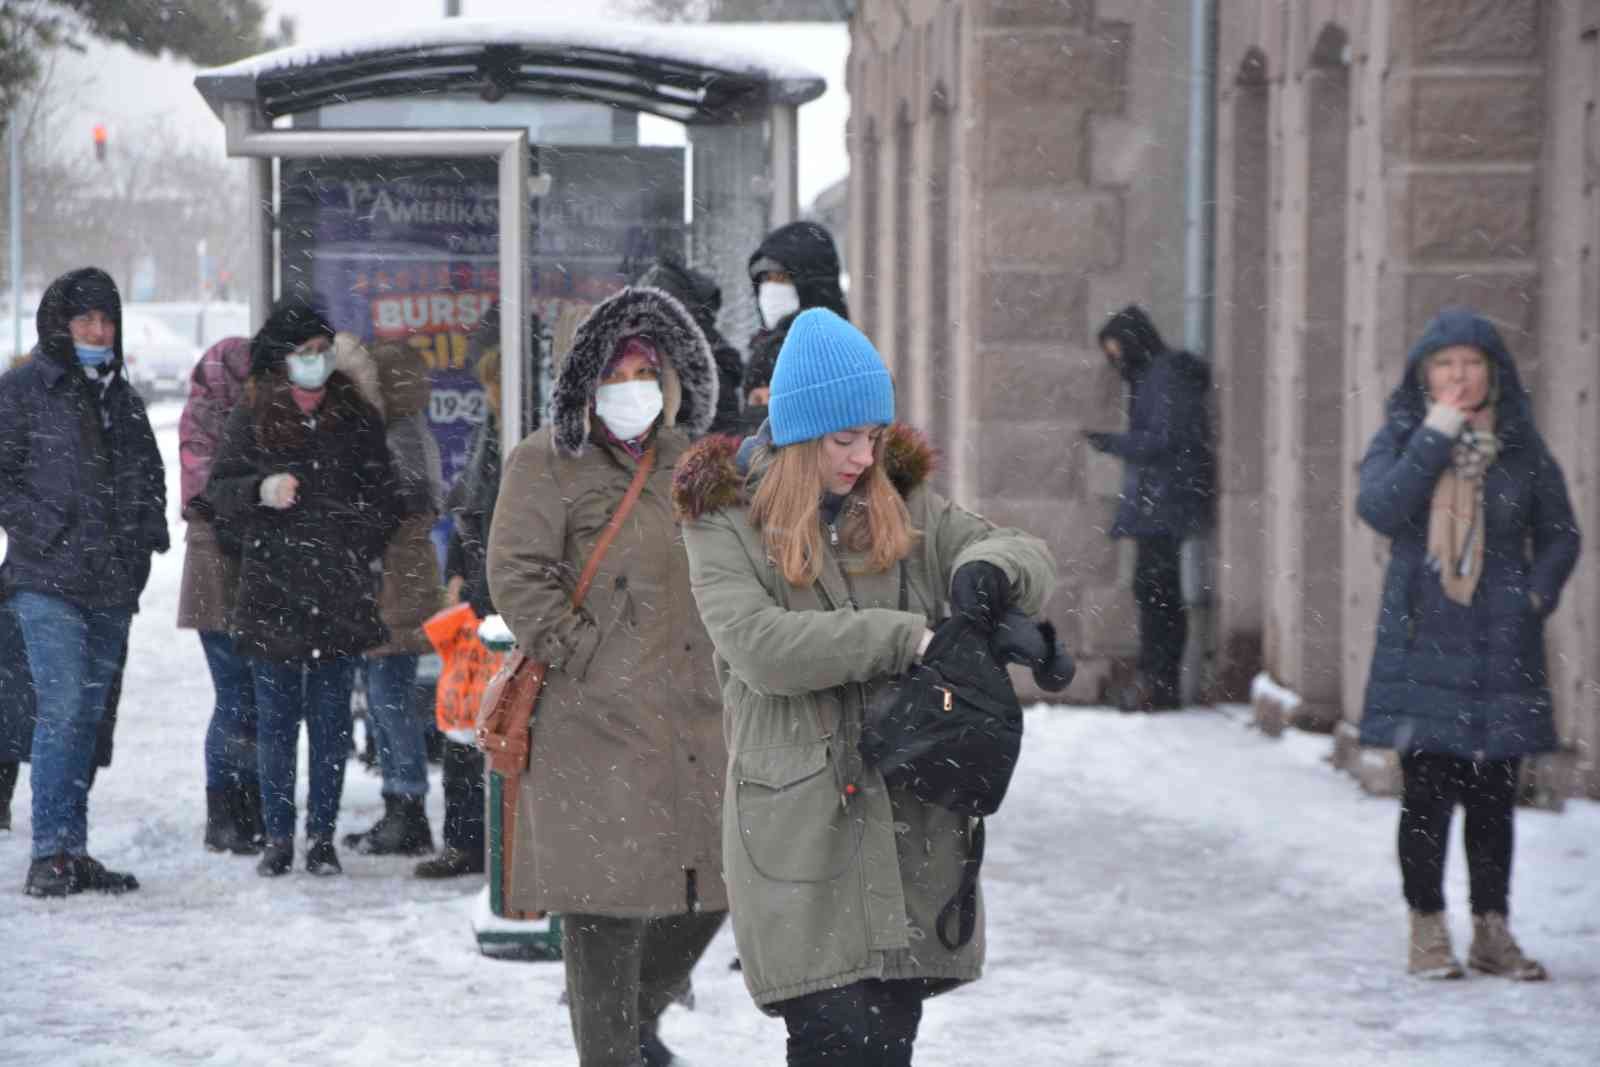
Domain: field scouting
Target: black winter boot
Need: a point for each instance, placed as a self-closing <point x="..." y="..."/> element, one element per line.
<point x="8" y="786"/>
<point x="52" y="876"/>
<point x="321" y="859"/>
<point x="651" y="1049"/>
<point x="402" y="831"/>
<point x="451" y="863"/>
<point x="277" y="858"/>
<point x="222" y="826"/>
<point x="93" y="876"/>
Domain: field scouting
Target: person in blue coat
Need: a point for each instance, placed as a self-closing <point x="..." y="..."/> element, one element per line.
<point x="1168" y="490"/>
<point x="83" y="501"/>
<point x="1482" y="539"/>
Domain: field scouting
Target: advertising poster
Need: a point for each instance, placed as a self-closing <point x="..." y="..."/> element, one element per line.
<point x="406" y="252"/>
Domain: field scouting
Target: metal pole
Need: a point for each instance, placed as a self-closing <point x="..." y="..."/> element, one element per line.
<point x="14" y="137"/>
<point x="784" y="165"/>
<point x="452" y="9"/>
<point x="1199" y="194"/>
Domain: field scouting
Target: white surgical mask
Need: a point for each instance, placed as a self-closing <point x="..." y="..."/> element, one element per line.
<point x="776" y="300"/>
<point x="309" y="370"/>
<point x="628" y="408"/>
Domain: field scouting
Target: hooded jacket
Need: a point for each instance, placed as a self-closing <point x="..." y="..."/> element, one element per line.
<point x="700" y="295"/>
<point x="1169" y="477"/>
<point x="82" y="487"/>
<point x="308" y="574"/>
<point x="806" y="251"/>
<point x="618" y="813"/>
<point x="210" y="575"/>
<point x="1465" y="680"/>
<point x="830" y="887"/>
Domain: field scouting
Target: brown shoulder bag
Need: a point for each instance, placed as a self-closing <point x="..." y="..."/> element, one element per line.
<point x="505" y="718"/>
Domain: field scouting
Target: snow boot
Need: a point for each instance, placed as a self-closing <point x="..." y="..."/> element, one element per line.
<point x="1431" y="956"/>
<point x="402" y="831"/>
<point x="53" y="876"/>
<point x="651" y="1049"/>
<point x="277" y="858"/>
<point x="93" y="876"/>
<point x="8" y="786"/>
<point x="1495" y="951"/>
<point x="321" y="859"/>
<point x="1147" y="695"/>
<point x="451" y="863"/>
<point x="222" y="827"/>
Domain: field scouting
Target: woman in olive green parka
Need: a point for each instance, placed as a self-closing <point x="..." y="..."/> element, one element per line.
<point x="834" y="880"/>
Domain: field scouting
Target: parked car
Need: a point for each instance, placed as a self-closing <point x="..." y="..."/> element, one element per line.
<point x="159" y="359"/>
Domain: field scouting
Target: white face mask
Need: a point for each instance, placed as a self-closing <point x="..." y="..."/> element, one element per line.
<point x="628" y="408"/>
<point x="309" y="370"/>
<point x="776" y="300"/>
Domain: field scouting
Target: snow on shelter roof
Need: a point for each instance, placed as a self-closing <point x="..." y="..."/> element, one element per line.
<point x="692" y="73"/>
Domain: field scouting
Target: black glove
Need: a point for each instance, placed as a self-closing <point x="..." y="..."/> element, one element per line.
<point x="979" y="593"/>
<point x="1020" y="640"/>
<point x="1099" y="441"/>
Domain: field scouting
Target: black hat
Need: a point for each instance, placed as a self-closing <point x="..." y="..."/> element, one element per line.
<point x="92" y="290"/>
<point x="294" y="321"/>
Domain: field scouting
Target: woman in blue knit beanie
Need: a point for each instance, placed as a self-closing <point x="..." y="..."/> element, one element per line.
<point x="819" y="560"/>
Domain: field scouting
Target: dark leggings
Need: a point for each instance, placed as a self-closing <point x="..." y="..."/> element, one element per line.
<point x="1163" y="623"/>
<point x="1434" y="785"/>
<point x="865" y="1024"/>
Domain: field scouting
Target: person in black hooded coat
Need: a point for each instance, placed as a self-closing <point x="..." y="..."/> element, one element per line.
<point x="1482" y="540"/>
<point x="1168" y="489"/>
<point x="83" y="501"/>
<point x="700" y="295"/>
<point x="302" y="484"/>
<point x="796" y="268"/>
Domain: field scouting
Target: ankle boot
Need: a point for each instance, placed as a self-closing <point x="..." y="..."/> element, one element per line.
<point x="277" y="858"/>
<point x="1495" y="951"/>
<point x="321" y="859"/>
<point x="451" y="863"/>
<point x="8" y="786"/>
<point x="222" y="827"/>
<point x="1431" y="955"/>
<point x="402" y="831"/>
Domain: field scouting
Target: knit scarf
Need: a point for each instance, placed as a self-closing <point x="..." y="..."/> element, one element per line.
<point x="1455" y="519"/>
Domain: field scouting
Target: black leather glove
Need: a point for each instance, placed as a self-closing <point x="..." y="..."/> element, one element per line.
<point x="1020" y="640"/>
<point x="979" y="593"/>
<point x="1098" y="441"/>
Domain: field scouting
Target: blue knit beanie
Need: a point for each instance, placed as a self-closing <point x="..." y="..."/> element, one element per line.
<point x="828" y="378"/>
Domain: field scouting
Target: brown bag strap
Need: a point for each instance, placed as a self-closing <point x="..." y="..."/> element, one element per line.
<point x="647" y="463"/>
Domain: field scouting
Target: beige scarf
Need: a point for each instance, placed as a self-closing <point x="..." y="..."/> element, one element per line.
<point x="1455" y="520"/>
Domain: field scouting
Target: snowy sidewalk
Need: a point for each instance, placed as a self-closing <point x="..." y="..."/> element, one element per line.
<point x="1166" y="890"/>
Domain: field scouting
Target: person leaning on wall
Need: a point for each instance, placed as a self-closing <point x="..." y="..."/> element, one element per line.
<point x="618" y="823"/>
<point x="819" y="559"/>
<point x="1482" y="539"/>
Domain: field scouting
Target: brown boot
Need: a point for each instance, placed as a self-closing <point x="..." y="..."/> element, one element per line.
<point x="1431" y="956"/>
<point x="1495" y="951"/>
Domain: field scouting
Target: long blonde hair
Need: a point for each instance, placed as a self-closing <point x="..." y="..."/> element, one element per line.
<point x="787" y="509"/>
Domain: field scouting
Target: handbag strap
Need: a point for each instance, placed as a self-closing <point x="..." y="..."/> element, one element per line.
<point x="647" y="463"/>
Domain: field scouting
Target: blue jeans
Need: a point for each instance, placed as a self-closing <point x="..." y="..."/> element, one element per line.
<point x="286" y="692"/>
<point x="231" y="737"/>
<point x="392" y="713"/>
<point x="74" y="655"/>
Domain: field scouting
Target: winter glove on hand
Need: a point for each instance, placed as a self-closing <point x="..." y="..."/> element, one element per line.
<point x="979" y="593"/>
<point x="1020" y="640"/>
<point x="1446" y="419"/>
<point x="1100" y="442"/>
<point x="277" y="490"/>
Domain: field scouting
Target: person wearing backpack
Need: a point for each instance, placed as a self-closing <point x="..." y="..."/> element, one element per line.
<point x="820" y="559"/>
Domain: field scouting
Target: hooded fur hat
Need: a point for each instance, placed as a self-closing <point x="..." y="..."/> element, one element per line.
<point x="72" y="294"/>
<point x="294" y="321"/>
<point x="689" y="371"/>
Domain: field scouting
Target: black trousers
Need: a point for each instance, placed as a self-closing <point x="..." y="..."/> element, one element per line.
<point x="622" y="973"/>
<point x="1434" y="785"/>
<point x="464" y="797"/>
<point x="865" y="1024"/>
<point x="1163" y="623"/>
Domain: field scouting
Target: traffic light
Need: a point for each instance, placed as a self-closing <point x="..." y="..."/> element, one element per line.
<point x="100" y="142"/>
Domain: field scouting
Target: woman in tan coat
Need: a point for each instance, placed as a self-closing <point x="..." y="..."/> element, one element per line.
<point x="618" y="814"/>
<point x="819" y="560"/>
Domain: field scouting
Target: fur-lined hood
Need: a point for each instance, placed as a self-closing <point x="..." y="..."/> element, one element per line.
<point x="689" y="374"/>
<point x="710" y="477"/>
<point x="351" y="358"/>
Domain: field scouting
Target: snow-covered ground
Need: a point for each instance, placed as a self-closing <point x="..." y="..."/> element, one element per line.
<point x="1173" y="890"/>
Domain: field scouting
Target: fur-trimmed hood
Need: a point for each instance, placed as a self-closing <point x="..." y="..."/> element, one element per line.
<point x="711" y="476"/>
<point x="351" y="358"/>
<point x="689" y="373"/>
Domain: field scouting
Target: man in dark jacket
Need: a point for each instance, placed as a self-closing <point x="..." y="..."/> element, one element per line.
<point x="700" y="295"/>
<point x="795" y="269"/>
<point x="83" y="500"/>
<point x="1168" y="488"/>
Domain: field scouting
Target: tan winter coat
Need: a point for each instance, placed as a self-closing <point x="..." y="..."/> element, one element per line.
<point x="618" y="813"/>
<point x="829" y="888"/>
